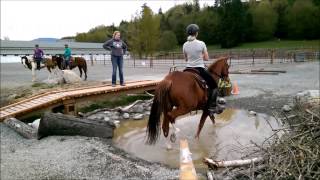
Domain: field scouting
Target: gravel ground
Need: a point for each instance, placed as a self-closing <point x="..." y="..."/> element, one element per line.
<point x="66" y="157"/>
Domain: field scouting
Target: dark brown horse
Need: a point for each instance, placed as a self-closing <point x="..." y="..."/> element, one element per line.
<point x="81" y="63"/>
<point x="59" y="60"/>
<point x="182" y="91"/>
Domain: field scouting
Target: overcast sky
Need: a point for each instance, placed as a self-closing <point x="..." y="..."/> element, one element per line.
<point x="27" y="20"/>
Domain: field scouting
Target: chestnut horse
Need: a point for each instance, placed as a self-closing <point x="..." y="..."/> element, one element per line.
<point x="81" y="63"/>
<point x="182" y="91"/>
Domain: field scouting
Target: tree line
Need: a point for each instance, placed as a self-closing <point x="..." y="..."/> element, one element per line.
<point x="227" y="23"/>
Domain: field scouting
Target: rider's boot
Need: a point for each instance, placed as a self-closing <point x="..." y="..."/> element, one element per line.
<point x="215" y="105"/>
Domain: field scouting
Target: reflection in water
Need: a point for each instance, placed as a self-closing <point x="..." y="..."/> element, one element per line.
<point x="233" y="129"/>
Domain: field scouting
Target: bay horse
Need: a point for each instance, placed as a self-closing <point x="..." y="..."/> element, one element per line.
<point x="59" y="59"/>
<point x="81" y="63"/>
<point x="180" y="93"/>
<point x="30" y="63"/>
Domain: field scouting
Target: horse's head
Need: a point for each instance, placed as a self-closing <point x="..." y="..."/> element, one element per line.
<point x="26" y="62"/>
<point x="220" y="68"/>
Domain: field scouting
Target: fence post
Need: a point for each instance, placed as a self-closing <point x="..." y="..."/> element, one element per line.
<point x="272" y="56"/>
<point x="104" y="59"/>
<point x="173" y="57"/>
<point x="91" y="59"/>
<point x="134" y="60"/>
<point x="151" y="62"/>
<point x="253" y="54"/>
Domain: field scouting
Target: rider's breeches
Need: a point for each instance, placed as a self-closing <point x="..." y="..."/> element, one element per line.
<point x="38" y="61"/>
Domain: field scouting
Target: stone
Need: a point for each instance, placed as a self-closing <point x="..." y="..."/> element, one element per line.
<point x="138" y="108"/>
<point x="286" y="108"/>
<point x="126" y="115"/>
<point x="138" y="116"/>
<point x="115" y="117"/>
<point x="252" y="113"/>
<point x="70" y="76"/>
<point x="147" y="113"/>
<point x="148" y="108"/>
<point x="35" y="124"/>
<point x="106" y="118"/>
<point x="114" y="123"/>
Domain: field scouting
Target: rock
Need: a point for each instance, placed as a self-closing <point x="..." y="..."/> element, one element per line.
<point x="107" y="112"/>
<point x="252" y="113"/>
<point x="147" y="113"/>
<point x="35" y="123"/>
<point x="114" y="123"/>
<point x="148" y="108"/>
<point x="126" y="115"/>
<point x="138" y="108"/>
<point x="92" y="117"/>
<point x="286" y="108"/>
<point x="70" y="77"/>
<point x="115" y="117"/>
<point x="12" y="96"/>
<point x="138" y="116"/>
<point x="106" y="118"/>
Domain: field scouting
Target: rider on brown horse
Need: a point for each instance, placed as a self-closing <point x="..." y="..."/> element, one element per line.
<point x="195" y="53"/>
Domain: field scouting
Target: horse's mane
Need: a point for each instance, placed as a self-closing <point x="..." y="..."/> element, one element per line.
<point x="216" y="62"/>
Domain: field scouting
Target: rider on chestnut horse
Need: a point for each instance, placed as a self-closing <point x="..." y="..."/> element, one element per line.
<point x="195" y="53"/>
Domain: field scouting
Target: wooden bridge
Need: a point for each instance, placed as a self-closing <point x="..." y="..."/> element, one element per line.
<point x="69" y="99"/>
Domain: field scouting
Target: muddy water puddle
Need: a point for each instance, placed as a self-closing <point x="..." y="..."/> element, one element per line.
<point x="224" y="140"/>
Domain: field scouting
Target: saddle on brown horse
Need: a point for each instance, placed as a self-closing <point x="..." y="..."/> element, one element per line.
<point x="197" y="76"/>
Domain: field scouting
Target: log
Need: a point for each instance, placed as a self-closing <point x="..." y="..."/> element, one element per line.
<point x="22" y="128"/>
<point x="262" y="73"/>
<point x="234" y="163"/>
<point x="276" y="71"/>
<point x="187" y="170"/>
<point x="60" y="124"/>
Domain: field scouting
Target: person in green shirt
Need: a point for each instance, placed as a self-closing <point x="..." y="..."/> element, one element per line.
<point x="67" y="56"/>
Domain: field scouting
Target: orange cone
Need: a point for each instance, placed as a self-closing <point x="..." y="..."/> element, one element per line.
<point x="235" y="89"/>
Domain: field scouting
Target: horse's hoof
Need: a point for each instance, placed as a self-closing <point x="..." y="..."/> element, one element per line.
<point x="173" y="137"/>
<point x="169" y="147"/>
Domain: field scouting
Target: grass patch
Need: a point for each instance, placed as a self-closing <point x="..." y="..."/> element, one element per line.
<point x="112" y="103"/>
<point x="42" y="85"/>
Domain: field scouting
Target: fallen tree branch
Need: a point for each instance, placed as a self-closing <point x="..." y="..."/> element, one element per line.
<point x="22" y="128"/>
<point x="241" y="162"/>
<point x="312" y="113"/>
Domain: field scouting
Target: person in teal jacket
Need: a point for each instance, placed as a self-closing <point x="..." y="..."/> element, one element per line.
<point x="67" y="56"/>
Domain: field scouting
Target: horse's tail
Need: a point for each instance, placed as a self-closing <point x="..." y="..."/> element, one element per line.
<point x="160" y="105"/>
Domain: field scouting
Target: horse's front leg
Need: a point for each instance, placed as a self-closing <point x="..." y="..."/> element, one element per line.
<point x="201" y="123"/>
<point x="33" y="71"/>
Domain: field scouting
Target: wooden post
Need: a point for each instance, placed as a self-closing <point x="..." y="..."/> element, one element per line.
<point x="187" y="170"/>
<point x="70" y="107"/>
<point x="104" y="59"/>
<point x="253" y="54"/>
<point x="91" y="59"/>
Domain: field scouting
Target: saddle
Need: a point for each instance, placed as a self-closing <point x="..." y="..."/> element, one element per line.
<point x="196" y="74"/>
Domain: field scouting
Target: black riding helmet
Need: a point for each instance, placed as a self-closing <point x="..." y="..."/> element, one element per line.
<point x="192" y="29"/>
